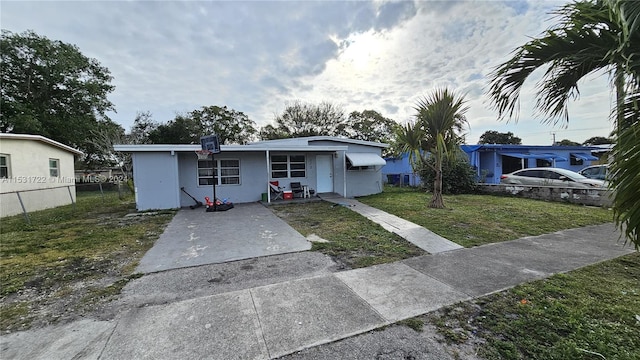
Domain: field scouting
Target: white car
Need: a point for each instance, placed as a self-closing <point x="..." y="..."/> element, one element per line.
<point x="600" y="172"/>
<point x="547" y="176"/>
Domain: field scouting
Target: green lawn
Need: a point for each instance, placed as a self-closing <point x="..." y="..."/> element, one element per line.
<point x="590" y="313"/>
<point x="353" y="240"/>
<point x="64" y="247"/>
<point x="472" y="220"/>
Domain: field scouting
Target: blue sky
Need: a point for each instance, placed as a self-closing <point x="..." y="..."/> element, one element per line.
<point x="171" y="57"/>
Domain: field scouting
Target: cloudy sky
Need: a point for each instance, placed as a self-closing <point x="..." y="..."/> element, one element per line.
<point x="171" y="57"/>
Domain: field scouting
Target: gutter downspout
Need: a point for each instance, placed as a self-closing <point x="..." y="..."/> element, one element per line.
<point x="344" y="173"/>
<point x="176" y="167"/>
<point x="268" y="187"/>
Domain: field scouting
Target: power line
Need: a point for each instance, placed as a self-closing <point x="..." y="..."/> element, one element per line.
<point x="556" y="131"/>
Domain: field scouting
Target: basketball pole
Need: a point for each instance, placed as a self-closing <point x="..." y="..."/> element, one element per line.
<point x="215" y="180"/>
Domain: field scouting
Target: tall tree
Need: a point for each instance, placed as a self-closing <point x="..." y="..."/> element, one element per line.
<point x="597" y="140"/>
<point x="495" y="137"/>
<point x="300" y="119"/>
<point x="50" y="88"/>
<point x="567" y="142"/>
<point x="231" y="126"/>
<point x="590" y="36"/>
<point x="439" y="120"/>
<point x="370" y="125"/>
<point x="181" y="130"/>
<point x="143" y="126"/>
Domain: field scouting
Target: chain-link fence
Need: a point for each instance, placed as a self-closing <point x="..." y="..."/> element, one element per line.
<point x="30" y="200"/>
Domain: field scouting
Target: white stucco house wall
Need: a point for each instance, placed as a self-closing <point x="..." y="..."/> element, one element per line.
<point x="242" y="172"/>
<point x="37" y="171"/>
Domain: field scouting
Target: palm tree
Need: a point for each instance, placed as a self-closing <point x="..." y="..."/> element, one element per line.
<point x="590" y="36"/>
<point x="439" y="119"/>
<point x="409" y="139"/>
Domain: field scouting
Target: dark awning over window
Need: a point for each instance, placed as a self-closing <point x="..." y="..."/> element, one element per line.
<point x="584" y="156"/>
<point x="365" y="159"/>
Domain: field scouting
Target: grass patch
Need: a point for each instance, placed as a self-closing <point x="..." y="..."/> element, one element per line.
<point x="578" y="315"/>
<point x="63" y="247"/>
<point x="353" y="240"/>
<point x="472" y="220"/>
<point x="17" y="312"/>
<point x="414" y="323"/>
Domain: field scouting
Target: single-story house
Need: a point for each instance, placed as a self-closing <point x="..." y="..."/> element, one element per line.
<point x="35" y="173"/>
<point x="398" y="171"/>
<point x="242" y="173"/>
<point x="493" y="160"/>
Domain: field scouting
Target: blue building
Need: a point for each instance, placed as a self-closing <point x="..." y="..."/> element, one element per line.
<point x="493" y="160"/>
<point x="398" y="171"/>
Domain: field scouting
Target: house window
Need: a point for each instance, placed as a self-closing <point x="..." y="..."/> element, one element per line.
<point x="575" y="161"/>
<point x="358" y="168"/>
<point x="54" y="167"/>
<point x="5" y="167"/>
<point x="288" y="166"/>
<point x="223" y="172"/>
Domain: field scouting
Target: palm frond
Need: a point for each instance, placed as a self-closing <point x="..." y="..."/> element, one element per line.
<point x="626" y="171"/>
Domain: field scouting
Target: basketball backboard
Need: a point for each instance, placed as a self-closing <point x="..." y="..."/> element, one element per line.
<point x="211" y="143"/>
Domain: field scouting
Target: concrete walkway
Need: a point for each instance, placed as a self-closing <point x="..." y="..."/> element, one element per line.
<point x="415" y="234"/>
<point x="269" y="321"/>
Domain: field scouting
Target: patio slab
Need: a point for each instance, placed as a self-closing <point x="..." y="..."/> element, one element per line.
<point x="196" y="237"/>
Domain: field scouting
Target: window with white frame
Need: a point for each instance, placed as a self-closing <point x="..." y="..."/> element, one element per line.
<point x="54" y="167"/>
<point x="220" y="171"/>
<point x="288" y="166"/>
<point x="5" y="166"/>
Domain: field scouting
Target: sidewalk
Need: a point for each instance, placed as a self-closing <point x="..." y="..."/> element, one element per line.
<point x="270" y="321"/>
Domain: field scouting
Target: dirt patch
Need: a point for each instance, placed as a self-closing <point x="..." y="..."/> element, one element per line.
<point x="78" y="273"/>
<point x="82" y="298"/>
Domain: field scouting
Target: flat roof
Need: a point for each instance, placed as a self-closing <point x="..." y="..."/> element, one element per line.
<point x="309" y="139"/>
<point x="42" y="139"/>
<point x="226" y="148"/>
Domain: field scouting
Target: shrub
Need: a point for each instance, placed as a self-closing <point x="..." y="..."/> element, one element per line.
<point x="458" y="176"/>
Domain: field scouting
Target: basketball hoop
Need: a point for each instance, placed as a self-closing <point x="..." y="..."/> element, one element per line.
<point x="203" y="154"/>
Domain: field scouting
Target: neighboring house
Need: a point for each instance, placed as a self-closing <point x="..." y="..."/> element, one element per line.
<point x="242" y="172"/>
<point x="37" y="171"/>
<point x="399" y="171"/>
<point x="491" y="161"/>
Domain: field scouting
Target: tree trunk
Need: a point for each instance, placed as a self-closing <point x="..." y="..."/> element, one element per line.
<point x="436" y="200"/>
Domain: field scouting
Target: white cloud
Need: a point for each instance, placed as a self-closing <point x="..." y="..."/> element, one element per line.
<point x="169" y="57"/>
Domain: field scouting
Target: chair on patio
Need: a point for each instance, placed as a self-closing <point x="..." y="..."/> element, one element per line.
<point x="296" y="188"/>
<point x="276" y="191"/>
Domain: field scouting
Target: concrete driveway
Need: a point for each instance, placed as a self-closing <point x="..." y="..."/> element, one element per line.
<point x="195" y="237"/>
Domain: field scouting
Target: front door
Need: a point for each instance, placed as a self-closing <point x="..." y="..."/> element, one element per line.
<point x="324" y="173"/>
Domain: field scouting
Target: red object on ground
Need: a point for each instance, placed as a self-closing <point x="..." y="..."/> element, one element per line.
<point x="288" y="195"/>
<point x="207" y="201"/>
